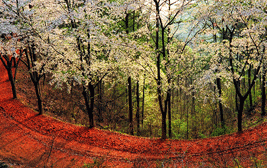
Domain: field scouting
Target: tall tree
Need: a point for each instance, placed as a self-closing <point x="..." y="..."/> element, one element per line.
<point x="163" y="38"/>
<point x="7" y="61"/>
<point x="84" y="46"/>
<point x="242" y="44"/>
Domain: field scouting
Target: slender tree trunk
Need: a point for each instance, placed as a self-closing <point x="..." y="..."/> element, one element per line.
<point x="133" y="20"/>
<point x="249" y="84"/>
<point x="92" y="102"/>
<point x="129" y="84"/>
<point x="193" y="112"/>
<point x="215" y="108"/>
<point x="88" y="108"/>
<point x="137" y="109"/>
<point x="130" y="105"/>
<point x="237" y="98"/>
<point x="240" y="113"/>
<point x="220" y="101"/>
<point x="11" y="79"/>
<point x="254" y="89"/>
<point x="85" y="96"/>
<point x="35" y="76"/>
<point x="263" y="95"/>
<point x="159" y="87"/>
<point x="100" y="117"/>
<point x="163" y="126"/>
<point x="143" y="104"/>
<point x="169" y="114"/>
<point x="38" y="95"/>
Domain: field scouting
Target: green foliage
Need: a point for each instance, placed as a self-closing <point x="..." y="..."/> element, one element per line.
<point x="179" y="128"/>
<point x="201" y="135"/>
<point x="221" y="131"/>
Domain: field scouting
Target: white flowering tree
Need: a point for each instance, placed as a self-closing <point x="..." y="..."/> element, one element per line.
<point x="15" y="30"/>
<point x="8" y="43"/>
<point x="86" y="43"/>
<point x="235" y="41"/>
<point x="164" y="50"/>
<point x="20" y="19"/>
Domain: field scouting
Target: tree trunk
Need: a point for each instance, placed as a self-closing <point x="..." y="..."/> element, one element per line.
<point x="92" y="102"/>
<point x="8" y="66"/>
<point x="159" y="87"/>
<point x="38" y="95"/>
<point x="240" y="111"/>
<point x="130" y="105"/>
<point x="169" y="113"/>
<point x="11" y="79"/>
<point x="89" y="108"/>
<point x="249" y="84"/>
<point x="193" y="112"/>
<point x="100" y="117"/>
<point x="35" y="76"/>
<point x="263" y="95"/>
<point x="137" y="109"/>
<point x="143" y="104"/>
<point x="163" y="126"/>
<point x="220" y="101"/>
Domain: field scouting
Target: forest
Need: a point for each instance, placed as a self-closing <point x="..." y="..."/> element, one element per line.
<point x="176" y="69"/>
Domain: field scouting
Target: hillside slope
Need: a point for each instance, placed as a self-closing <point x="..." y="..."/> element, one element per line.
<point x="31" y="140"/>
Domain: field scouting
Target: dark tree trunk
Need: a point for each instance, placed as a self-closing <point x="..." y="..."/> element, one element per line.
<point x="143" y="104"/>
<point x="85" y="96"/>
<point x="220" y="101"/>
<point x="100" y="117"/>
<point x="35" y="76"/>
<point x="129" y="85"/>
<point x="8" y="66"/>
<point x="137" y="109"/>
<point x="249" y="84"/>
<point x="193" y="112"/>
<point x="39" y="99"/>
<point x="89" y="105"/>
<point x="159" y="87"/>
<point x="163" y="126"/>
<point x="130" y="105"/>
<point x="169" y="113"/>
<point x="92" y="102"/>
<point x="263" y="95"/>
<point x="215" y="109"/>
<point x="240" y="113"/>
<point x="12" y="84"/>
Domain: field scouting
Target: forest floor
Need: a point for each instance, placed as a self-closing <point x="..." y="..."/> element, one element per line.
<point x="31" y="140"/>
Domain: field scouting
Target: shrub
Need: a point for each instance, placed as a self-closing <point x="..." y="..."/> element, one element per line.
<point x="221" y="131"/>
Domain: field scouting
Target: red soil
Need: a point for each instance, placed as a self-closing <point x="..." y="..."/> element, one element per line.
<point x="32" y="140"/>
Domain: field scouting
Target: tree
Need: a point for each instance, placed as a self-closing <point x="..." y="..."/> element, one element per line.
<point x="7" y="61"/>
<point x="86" y="41"/>
<point x="19" y="20"/>
<point x="165" y="55"/>
<point x="242" y="45"/>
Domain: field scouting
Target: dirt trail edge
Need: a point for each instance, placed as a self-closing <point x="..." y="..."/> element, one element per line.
<point x="31" y="140"/>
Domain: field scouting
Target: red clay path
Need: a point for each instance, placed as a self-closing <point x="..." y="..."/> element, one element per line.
<point x="31" y="140"/>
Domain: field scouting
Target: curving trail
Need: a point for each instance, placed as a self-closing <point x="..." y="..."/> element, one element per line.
<point x="32" y="140"/>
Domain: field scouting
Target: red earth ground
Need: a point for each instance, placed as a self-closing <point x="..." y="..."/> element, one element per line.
<point x="31" y="140"/>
